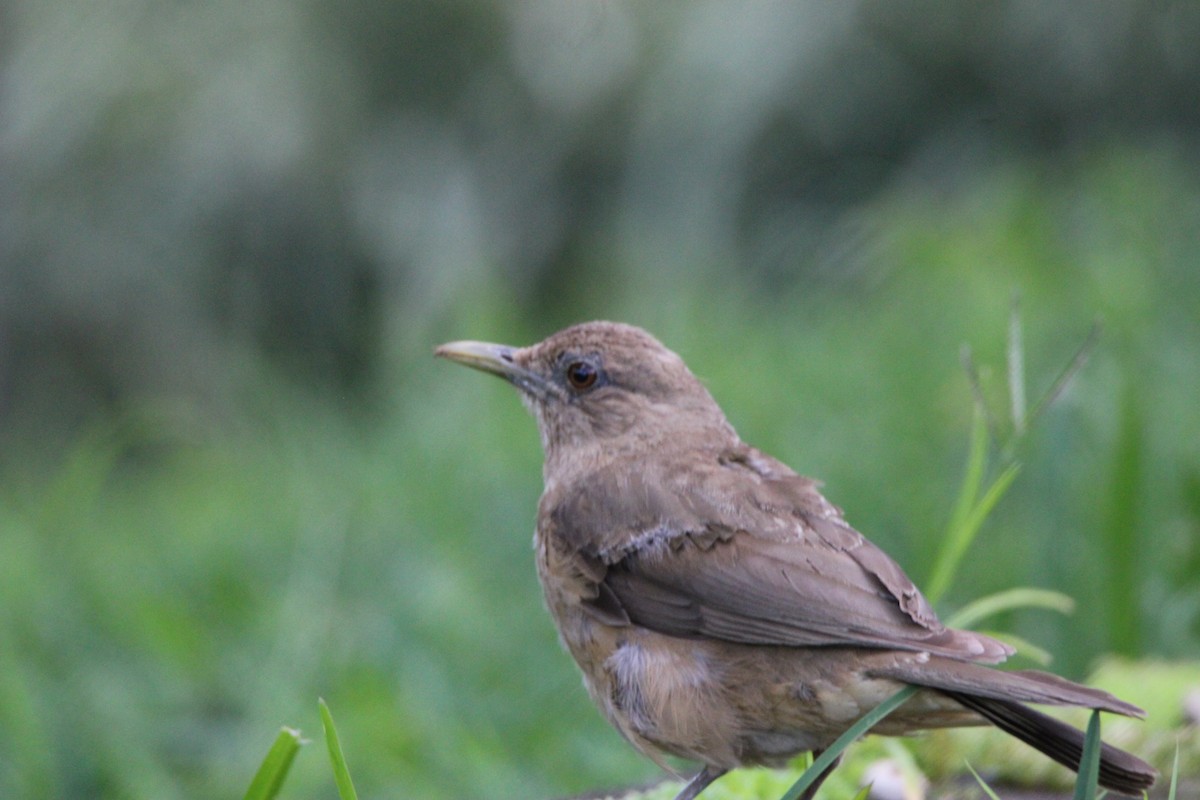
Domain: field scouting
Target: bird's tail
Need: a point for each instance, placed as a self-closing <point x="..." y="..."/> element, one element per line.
<point x="1000" y="696"/>
<point x="1119" y="771"/>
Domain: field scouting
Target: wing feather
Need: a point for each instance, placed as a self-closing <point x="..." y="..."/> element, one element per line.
<point x="761" y="559"/>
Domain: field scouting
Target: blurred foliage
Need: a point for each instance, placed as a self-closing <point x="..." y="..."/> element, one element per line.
<point x="232" y="478"/>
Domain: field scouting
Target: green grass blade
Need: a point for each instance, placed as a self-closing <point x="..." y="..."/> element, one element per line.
<point x="977" y="393"/>
<point x="868" y="721"/>
<point x="957" y="535"/>
<point x="1122" y="533"/>
<point x="1016" y="369"/>
<point x="961" y="534"/>
<point x="991" y="793"/>
<point x="1089" y="765"/>
<point x="987" y="503"/>
<point x="1065" y="377"/>
<point x="274" y="768"/>
<point x="1026" y="648"/>
<point x="341" y="774"/>
<point x="1021" y="597"/>
<point x="1174" y="775"/>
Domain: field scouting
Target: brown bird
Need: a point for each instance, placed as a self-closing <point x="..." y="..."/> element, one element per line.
<point x="720" y="608"/>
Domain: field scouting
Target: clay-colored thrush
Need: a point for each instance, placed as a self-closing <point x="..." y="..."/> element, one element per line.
<point x="720" y="608"/>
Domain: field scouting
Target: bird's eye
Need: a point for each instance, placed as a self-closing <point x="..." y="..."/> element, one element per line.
<point x="581" y="375"/>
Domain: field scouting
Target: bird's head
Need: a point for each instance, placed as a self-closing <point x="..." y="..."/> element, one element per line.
<point x="599" y="385"/>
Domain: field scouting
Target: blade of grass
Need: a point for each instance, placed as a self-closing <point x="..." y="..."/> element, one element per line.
<point x="1089" y="764"/>
<point x="1027" y="649"/>
<point x="967" y="358"/>
<point x="341" y="774"/>
<point x="970" y="508"/>
<point x="982" y="783"/>
<point x="987" y="503"/>
<point x="274" y="768"/>
<point x="868" y="721"/>
<point x="1174" y="774"/>
<point x="1066" y="376"/>
<point x="1016" y="368"/>
<point x="943" y="568"/>
<point x="960" y="536"/>
<point x="1120" y="531"/>
<point x="1007" y="600"/>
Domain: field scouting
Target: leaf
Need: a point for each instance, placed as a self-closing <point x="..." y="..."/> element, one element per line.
<point x="963" y="530"/>
<point x="1174" y="774"/>
<point x="1007" y="600"/>
<point x="1065" y="377"/>
<point x="1089" y="764"/>
<point x="991" y="793"/>
<point x="831" y="754"/>
<point x="1026" y="648"/>
<point x="955" y="545"/>
<point x="985" y="506"/>
<point x="1016" y="368"/>
<point x="274" y="768"/>
<point x="341" y="774"/>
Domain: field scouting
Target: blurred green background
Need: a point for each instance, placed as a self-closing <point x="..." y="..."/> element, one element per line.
<point x="233" y="479"/>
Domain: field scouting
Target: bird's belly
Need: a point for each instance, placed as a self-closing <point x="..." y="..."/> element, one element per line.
<point x="660" y="693"/>
<point x="672" y="694"/>
<point x="723" y="704"/>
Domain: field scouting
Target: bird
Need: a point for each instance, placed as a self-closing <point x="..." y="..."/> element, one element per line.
<point x="720" y="609"/>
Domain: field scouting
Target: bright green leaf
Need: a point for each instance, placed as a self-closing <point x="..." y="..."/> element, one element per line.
<point x="831" y="754"/>
<point x="341" y="774"/>
<point x="274" y="768"/>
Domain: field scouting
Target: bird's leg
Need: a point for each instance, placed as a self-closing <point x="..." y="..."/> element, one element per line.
<point x="700" y="782"/>
<point x="811" y="791"/>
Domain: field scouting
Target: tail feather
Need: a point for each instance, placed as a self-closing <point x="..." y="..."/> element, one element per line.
<point x="999" y="697"/>
<point x="1029" y="686"/>
<point x="1119" y="771"/>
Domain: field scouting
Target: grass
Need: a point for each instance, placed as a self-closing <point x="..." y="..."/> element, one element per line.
<point x="182" y="580"/>
<point x="272" y="773"/>
<point x="269" y="779"/>
<point x="852" y="734"/>
<point x="341" y="772"/>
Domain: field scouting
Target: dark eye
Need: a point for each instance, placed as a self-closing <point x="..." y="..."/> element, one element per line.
<point x="581" y="375"/>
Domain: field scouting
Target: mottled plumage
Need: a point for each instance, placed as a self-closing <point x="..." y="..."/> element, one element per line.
<point x="720" y="608"/>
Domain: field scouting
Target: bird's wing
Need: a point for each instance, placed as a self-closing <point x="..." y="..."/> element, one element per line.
<point x="735" y="555"/>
